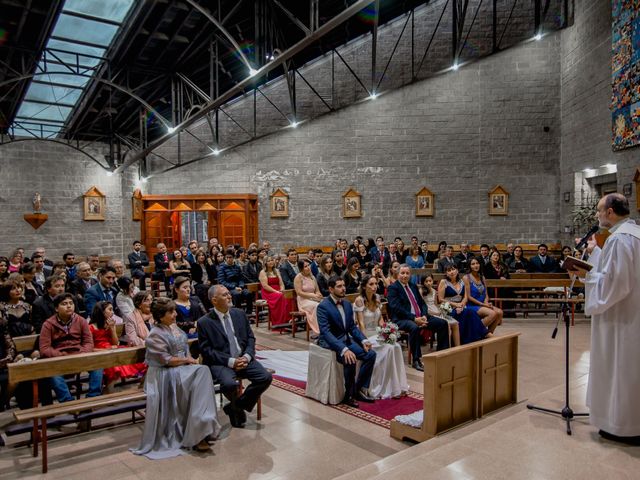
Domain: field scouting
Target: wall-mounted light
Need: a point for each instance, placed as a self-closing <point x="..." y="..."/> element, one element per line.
<point x="567" y="196"/>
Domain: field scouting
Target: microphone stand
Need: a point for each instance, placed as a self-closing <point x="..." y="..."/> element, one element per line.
<point x="567" y="412"/>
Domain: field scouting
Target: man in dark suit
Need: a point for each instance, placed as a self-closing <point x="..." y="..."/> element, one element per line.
<point x="340" y="333"/>
<point x="230" y="275"/>
<point x="381" y="256"/>
<point x="463" y="258"/>
<point x="161" y="261"/>
<point x="543" y="263"/>
<point x="429" y="257"/>
<point x="447" y="260"/>
<point x="43" y="307"/>
<point x="409" y="311"/>
<point x="102" y="291"/>
<point x="289" y="269"/>
<point x="137" y="261"/>
<point x="227" y="346"/>
<point x="252" y="269"/>
<point x="83" y="282"/>
<point x="484" y="256"/>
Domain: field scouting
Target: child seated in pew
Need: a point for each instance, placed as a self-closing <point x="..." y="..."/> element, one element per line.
<point x="102" y="325"/>
<point x="67" y="333"/>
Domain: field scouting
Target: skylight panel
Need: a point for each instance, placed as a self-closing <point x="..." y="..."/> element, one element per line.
<point x="83" y="30"/>
<point x="114" y="10"/>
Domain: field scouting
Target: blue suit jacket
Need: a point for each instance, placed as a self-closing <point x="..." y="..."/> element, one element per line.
<point x="399" y="304"/>
<point x="96" y="294"/>
<point x="333" y="332"/>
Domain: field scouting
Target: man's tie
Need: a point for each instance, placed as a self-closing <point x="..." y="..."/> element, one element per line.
<point x="107" y="296"/>
<point x="233" y="346"/>
<point x="414" y="303"/>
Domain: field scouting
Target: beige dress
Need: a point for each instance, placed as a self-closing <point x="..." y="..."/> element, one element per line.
<point x="307" y="305"/>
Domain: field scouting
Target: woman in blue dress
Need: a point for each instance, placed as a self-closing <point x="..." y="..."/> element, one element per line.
<point x="478" y="299"/>
<point x="452" y="290"/>
<point x="415" y="260"/>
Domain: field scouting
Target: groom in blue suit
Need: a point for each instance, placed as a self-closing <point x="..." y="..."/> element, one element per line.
<point x="338" y="332"/>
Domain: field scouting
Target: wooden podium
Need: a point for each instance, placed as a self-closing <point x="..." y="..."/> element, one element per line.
<point x="464" y="383"/>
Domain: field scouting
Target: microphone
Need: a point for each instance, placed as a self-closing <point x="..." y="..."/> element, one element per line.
<point x="584" y="240"/>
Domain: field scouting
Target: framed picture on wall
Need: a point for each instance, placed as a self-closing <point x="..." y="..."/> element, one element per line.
<point x="279" y="204"/>
<point x="498" y="201"/>
<point x="136" y="205"/>
<point x="351" y="204"/>
<point x="424" y="203"/>
<point x="94" y="205"/>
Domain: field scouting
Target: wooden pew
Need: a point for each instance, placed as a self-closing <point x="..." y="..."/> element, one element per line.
<point x="461" y="384"/>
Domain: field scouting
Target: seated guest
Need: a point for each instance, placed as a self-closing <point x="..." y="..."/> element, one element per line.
<point x="188" y="307"/>
<point x="495" y="269"/>
<point x="4" y="268"/>
<point x="451" y="289"/>
<point x="484" y="255"/>
<point x="429" y="256"/>
<point x="339" y="332"/>
<point x="402" y="251"/>
<point x="42" y="270"/>
<point x="161" y="264"/>
<point x="407" y="309"/>
<point x="383" y="282"/>
<point x="342" y="246"/>
<point x="67" y="333"/>
<point x="566" y="252"/>
<point x="69" y="260"/>
<point x="137" y="261"/>
<point x="32" y="289"/>
<point x="447" y="260"/>
<point x="241" y="257"/>
<point x="102" y="325"/>
<point x="15" y="262"/>
<point x="415" y="260"/>
<point x="94" y="262"/>
<point x="351" y="276"/>
<point x="308" y="294"/>
<point x="542" y="263"/>
<point x="171" y="425"/>
<point x="227" y="345"/>
<point x="101" y="291"/>
<point x="518" y="263"/>
<point x="430" y="297"/>
<point x="203" y="273"/>
<point x="478" y="299"/>
<point x="339" y="263"/>
<point x="442" y="248"/>
<point x="325" y="272"/>
<point x="289" y="269"/>
<point x="83" y="282"/>
<point x="389" y="378"/>
<point x="15" y="311"/>
<point x="8" y="354"/>
<point x="179" y="266"/>
<point x="124" y="298"/>
<point x="59" y="269"/>
<point x="44" y="307"/>
<point x="192" y="249"/>
<point x="40" y="251"/>
<point x="118" y="267"/>
<point x="381" y="256"/>
<point x="230" y="275"/>
<point x="364" y="258"/>
<point x="139" y="323"/>
<point x="185" y="252"/>
<point x="271" y="290"/>
<point x="463" y="257"/>
<point x="311" y="256"/>
<point x="251" y="270"/>
<point x="394" y="255"/>
<point x="508" y="256"/>
<point x="394" y="269"/>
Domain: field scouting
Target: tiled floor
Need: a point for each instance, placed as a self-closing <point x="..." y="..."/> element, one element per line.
<point x="302" y="439"/>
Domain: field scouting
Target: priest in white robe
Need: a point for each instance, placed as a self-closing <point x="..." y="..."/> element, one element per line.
<point x="612" y="296"/>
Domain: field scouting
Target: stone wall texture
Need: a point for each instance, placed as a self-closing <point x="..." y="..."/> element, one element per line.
<point x="61" y="175"/>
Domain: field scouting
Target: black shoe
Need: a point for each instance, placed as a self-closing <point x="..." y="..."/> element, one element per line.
<point x="350" y="402"/>
<point x="417" y="364"/>
<point x="233" y="417"/>
<point x="364" y="396"/>
<point x="635" y="441"/>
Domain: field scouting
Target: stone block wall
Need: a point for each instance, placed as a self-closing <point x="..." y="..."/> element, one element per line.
<point x="61" y="175"/>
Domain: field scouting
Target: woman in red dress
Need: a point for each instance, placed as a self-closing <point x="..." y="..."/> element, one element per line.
<point x="103" y="330"/>
<point x="272" y="287"/>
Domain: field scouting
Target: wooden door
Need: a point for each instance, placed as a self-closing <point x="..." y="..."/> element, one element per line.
<point x="157" y="229"/>
<point x="232" y="226"/>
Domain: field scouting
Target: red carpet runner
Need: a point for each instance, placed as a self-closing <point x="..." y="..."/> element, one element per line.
<point x="380" y="412"/>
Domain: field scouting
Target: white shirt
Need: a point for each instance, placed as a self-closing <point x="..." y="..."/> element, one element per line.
<point x="221" y="315"/>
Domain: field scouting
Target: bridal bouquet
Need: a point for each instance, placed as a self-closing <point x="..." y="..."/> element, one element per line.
<point x="446" y="308"/>
<point x="387" y="333"/>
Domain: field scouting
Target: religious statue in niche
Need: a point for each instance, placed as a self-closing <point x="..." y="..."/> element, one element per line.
<point x="37" y="203"/>
<point x="37" y="218"/>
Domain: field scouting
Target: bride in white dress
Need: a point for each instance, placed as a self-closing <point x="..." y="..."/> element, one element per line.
<point x="389" y="379"/>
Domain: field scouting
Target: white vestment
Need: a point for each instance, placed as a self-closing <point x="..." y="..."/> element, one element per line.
<point x="612" y="296"/>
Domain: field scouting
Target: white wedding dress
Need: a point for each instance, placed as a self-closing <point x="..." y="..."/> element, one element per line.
<point x="389" y="378"/>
